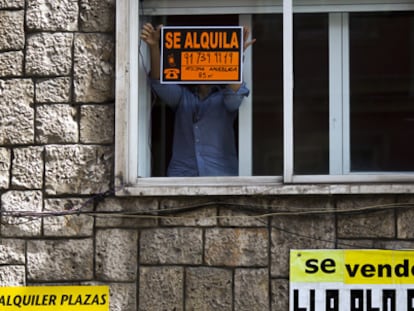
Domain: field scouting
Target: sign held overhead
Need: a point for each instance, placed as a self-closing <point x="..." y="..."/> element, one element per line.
<point x="201" y="54"/>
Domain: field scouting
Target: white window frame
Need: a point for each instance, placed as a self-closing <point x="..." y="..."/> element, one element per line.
<point x="132" y="137"/>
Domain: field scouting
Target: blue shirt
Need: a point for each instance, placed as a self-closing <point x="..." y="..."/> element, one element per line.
<point x="204" y="138"/>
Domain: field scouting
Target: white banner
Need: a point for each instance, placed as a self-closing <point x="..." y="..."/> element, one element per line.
<point x="351" y="280"/>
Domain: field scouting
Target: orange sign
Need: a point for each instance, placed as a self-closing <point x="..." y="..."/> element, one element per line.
<point x="201" y="54"/>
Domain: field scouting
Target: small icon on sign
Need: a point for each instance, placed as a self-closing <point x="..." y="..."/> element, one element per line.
<point x="171" y="60"/>
<point x="171" y="73"/>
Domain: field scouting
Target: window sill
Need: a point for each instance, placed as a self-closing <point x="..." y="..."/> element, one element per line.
<point x="248" y="186"/>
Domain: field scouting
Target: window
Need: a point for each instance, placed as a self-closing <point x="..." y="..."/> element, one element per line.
<point x="363" y="88"/>
<point x="331" y="94"/>
<point x="381" y="91"/>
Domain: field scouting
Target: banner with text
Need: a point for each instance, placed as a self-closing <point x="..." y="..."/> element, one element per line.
<point x="201" y="54"/>
<point x="54" y="298"/>
<point x="351" y="280"/>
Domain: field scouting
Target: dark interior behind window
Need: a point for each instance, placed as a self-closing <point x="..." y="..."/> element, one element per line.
<point x="311" y="93"/>
<point x="268" y="95"/>
<point x="382" y="91"/>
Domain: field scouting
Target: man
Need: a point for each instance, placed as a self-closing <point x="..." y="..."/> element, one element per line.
<point x="204" y="139"/>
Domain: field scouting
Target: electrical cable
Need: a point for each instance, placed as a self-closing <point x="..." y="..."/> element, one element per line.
<point x="258" y="212"/>
<point x="261" y="211"/>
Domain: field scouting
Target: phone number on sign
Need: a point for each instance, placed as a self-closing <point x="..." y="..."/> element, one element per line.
<point x="210" y="58"/>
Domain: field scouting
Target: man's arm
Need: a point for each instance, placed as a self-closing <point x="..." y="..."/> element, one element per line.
<point x="246" y="43"/>
<point x="151" y="37"/>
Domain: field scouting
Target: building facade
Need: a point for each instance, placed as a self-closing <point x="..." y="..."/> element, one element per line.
<point x="83" y="196"/>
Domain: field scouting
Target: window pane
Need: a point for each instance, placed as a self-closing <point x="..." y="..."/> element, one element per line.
<point x="311" y="94"/>
<point x="268" y="95"/>
<point x="382" y="91"/>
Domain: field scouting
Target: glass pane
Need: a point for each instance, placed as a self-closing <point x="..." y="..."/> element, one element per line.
<point x="311" y="94"/>
<point x="268" y="95"/>
<point x="382" y="91"/>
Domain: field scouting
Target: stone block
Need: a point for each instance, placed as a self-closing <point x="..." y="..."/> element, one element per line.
<point x="97" y="124"/>
<point x="161" y="288"/>
<point x="12" y="252"/>
<point x="300" y="231"/>
<point x="69" y="260"/>
<point x="56" y="15"/>
<point x="12" y="30"/>
<point x="202" y="218"/>
<point x="245" y="211"/>
<point x="315" y="233"/>
<point x="251" y="289"/>
<point x="394" y="244"/>
<point x="369" y="224"/>
<point x="11" y="4"/>
<point x="15" y="202"/>
<point x="67" y="225"/>
<point x="12" y="275"/>
<point x="94" y="68"/>
<point x="78" y="169"/>
<point x="171" y="246"/>
<point x="97" y="15"/>
<point x="208" y="289"/>
<point x="356" y="243"/>
<point x="123" y="297"/>
<point x="206" y="216"/>
<point x="16" y="111"/>
<point x="56" y="124"/>
<point x="123" y="207"/>
<point x="236" y="247"/>
<point x="375" y="243"/>
<point x="232" y="218"/>
<point x="54" y="90"/>
<point x="405" y="218"/>
<point x="27" y="167"/>
<point x="280" y="294"/>
<point x="11" y="64"/>
<point x="49" y="54"/>
<point x="116" y="254"/>
<point x="405" y="224"/>
<point x="5" y="161"/>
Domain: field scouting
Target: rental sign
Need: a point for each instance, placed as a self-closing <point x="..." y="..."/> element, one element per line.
<point x="55" y="298"/>
<point x="351" y="280"/>
<point x="201" y="54"/>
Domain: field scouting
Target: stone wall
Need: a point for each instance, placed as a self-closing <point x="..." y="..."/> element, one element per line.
<point x="56" y="156"/>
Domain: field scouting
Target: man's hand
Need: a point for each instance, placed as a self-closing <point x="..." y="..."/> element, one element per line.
<point x="151" y="35"/>
<point x="246" y="42"/>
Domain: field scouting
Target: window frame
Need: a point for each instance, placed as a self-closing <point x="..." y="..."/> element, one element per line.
<point x="129" y="75"/>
